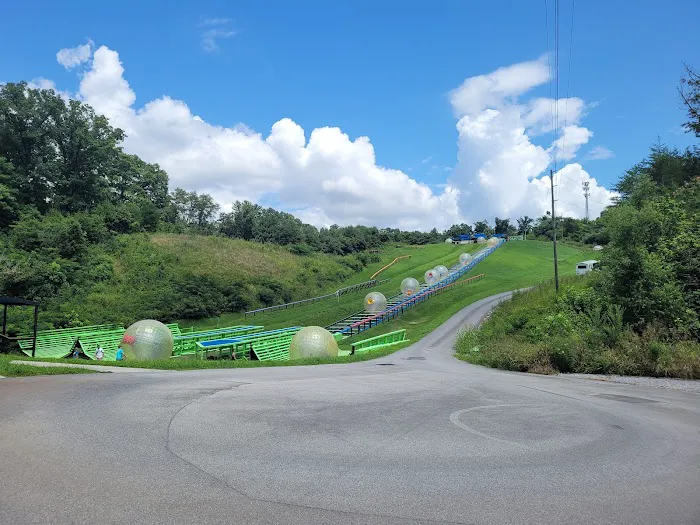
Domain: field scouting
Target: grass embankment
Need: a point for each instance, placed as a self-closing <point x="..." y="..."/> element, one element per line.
<point x="328" y="311"/>
<point x="541" y="333"/>
<point x="514" y="265"/>
<point x="8" y="369"/>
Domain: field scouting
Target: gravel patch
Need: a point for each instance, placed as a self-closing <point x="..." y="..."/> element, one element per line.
<point x="683" y="385"/>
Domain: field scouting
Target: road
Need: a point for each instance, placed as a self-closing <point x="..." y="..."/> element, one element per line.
<point x="416" y="437"/>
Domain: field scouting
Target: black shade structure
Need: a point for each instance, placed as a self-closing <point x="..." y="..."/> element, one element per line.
<point x="6" y="301"/>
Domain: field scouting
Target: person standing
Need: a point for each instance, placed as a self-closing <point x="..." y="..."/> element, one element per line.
<point x="119" y="356"/>
<point x="99" y="353"/>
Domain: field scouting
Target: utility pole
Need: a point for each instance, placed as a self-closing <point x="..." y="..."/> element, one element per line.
<point x="554" y="234"/>
<point x="586" y="194"/>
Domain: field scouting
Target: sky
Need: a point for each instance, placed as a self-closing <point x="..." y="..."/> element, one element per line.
<point x="412" y="115"/>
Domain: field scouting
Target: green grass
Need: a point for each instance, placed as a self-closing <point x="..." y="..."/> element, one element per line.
<point x="540" y="332"/>
<point x="328" y="311"/>
<point x="203" y="364"/>
<point x="514" y="265"/>
<point x="11" y="370"/>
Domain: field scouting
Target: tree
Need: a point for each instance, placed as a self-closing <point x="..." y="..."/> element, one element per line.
<point x="245" y="214"/>
<point x="9" y="209"/>
<point x="481" y="227"/>
<point x="502" y="225"/>
<point x="458" y="229"/>
<point x="62" y="152"/>
<point x="524" y="224"/>
<point x="193" y="210"/>
<point x="689" y="91"/>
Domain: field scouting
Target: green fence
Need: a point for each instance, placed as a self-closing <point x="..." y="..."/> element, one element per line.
<point x="380" y="341"/>
<point x="187" y="343"/>
<point x="59" y="343"/>
<point x="241" y="347"/>
<point x="108" y="340"/>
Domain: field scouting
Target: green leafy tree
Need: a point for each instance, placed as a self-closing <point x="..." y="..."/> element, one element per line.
<point x="689" y="91"/>
<point x="524" y="224"/>
<point x="502" y="225"/>
<point x="481" y="227"/>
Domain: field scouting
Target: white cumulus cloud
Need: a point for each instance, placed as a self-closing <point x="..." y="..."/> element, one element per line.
<point x="325" y="176"/>
<point x="70" y="57"/>
<point x="501" y="171"/>
<point x="599" y="153"/>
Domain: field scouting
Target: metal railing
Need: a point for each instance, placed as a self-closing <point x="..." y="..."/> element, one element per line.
<point x="443" y="284"/>
<point x="395" y="311"/>
<point x="342" y="291"/>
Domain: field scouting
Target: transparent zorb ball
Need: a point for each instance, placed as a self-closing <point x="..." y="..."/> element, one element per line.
<point x="313" y="341"/>
<point x="147" y="339"/>
<point x="442" y="270"/>
<point x="431" y="277"/>
<point x="410" y="286"/>
<point x="375" y="302"/>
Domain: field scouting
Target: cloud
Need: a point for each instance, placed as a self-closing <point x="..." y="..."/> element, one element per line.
<point x="215" y="29"/>
<point x="500" y="170"/>
<point x="213" y="22"/>
<point x="538" y="114"/>
<point x="569" y="142"/>
<point x="492" y="90"/>
<point x="70" y="57"/>
<point x="600" y="153"/>
<point x="324" y="177"/>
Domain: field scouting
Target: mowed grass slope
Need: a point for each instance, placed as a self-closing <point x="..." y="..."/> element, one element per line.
<point x="328" y="311"/>
<point x="234" y="260"/>
<point x="516" y="264"/>
<point x="226" y="258"/>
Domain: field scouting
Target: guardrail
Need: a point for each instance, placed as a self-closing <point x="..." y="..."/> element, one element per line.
<point x="395" y="311"/>
<point x="457" y="271"/>
<point x="342" y="291"/>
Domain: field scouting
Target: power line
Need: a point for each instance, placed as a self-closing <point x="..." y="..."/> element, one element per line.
<point x="568" y="77"/>
<point x="549" y="63"/>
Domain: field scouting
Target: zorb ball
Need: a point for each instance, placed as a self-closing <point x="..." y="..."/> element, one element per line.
<point x="480" y="240"/>
<point x="147" y="339"/>
<point x="409" y="286"/>
<point x="431" y="277"/>
<point x="313" y="341"/>
<point x="493" y="241"/>
<point x="464" y="259"/>
<point x="442" y="270"/>
<point x="375" y="302"/>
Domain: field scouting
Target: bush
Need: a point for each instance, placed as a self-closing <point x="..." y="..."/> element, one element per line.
<point x="300" y="249"/>
<point x="576" y="332"/>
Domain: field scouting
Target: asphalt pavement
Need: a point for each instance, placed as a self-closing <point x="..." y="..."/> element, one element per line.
<point x="414" y="437"/>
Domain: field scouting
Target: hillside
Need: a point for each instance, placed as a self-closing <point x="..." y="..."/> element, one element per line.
<point x="514" y="265"/>
<point x="185" y="277"/>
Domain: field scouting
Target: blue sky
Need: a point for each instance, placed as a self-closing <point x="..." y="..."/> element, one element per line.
<point x="380" y="69"/>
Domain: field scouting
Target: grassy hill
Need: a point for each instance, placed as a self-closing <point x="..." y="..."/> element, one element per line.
<point x="325" y="312"/>
<point x="514" y="265"/>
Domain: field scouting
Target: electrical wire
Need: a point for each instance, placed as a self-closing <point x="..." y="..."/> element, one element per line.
<point x="568" y="77"/>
